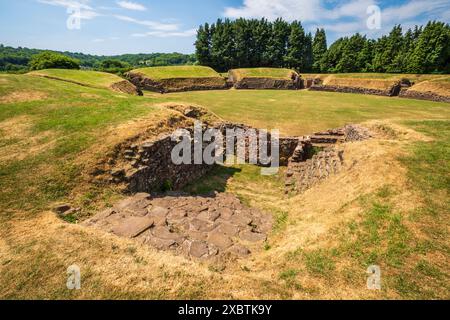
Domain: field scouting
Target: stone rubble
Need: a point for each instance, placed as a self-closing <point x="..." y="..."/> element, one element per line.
<point x="307" y="167"/>
<point x="200" y="227"/>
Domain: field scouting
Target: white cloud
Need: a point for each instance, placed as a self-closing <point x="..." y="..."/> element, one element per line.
<point x="413" y="9"/>
<point x="131" y="5"/>
<point x="346" y="17"/>
<point x="151" y="24"/>
<point x="158" y="29"/>
<point x="85" y="11"/>
<point x="162" y="34"/>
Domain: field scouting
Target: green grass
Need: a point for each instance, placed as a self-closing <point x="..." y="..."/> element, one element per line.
<point x="278" y="73"/>
<point x="93" y="79"/>
<point x="178" y="72"/>
<point x="304" y="112"/>
<point x="74" y="121"/>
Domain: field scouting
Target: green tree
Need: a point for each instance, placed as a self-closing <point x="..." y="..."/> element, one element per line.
<point x="53" y="60"/>
<point x="277" y="47"/>
<point x="432" y="52"/>
<point x="243" y="39"/>
<point x="319" y="49"/>
<point x="203" y="45"/>
<point x="295" y="55"/>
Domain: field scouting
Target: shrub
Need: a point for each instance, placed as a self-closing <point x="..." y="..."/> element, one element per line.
<point x="52" y="60"/>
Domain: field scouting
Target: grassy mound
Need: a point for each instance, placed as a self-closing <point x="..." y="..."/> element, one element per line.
<point x="177" y="78"/>
<point x="175" y="72"/>
<point x="264" y="78"/>
<point x="273" y="73"/>
<point x="93" y="79"/>
<point x="440" y="86"/>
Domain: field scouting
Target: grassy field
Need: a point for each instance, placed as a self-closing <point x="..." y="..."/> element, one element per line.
<point x="178" y="72"/>
<point x="277" y="73"/>
<point x="304" y="112"/>
<point x="390" y="210"/>
<point x="93" y="79"/>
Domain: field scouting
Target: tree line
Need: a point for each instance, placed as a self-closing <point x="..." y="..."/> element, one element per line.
<point x="19" y="59"/>
<point x="247" y="43"/>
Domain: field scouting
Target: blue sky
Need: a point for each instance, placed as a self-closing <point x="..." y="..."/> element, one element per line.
<point x="115" y="27"/>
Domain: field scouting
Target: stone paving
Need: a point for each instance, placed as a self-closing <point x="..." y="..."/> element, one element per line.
<point x="199" y="227"/>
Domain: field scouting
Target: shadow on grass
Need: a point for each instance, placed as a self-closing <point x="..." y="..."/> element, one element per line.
<point x="215" y="181"/>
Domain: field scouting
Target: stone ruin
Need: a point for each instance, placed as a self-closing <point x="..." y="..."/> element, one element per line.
<point x="148" y="166"/>
<point x="213" y="226"/>
<point x="318" y="156"/>
<point x="199" y="227"/>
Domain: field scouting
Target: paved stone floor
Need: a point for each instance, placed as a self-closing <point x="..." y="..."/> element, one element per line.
<point x="199" y="227"/>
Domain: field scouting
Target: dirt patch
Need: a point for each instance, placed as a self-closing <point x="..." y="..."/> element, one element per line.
<point x="23" y="96"/>
<point x="142" y="82"/>
<point x="17" y="141"/>
<point x="126" y="87"/>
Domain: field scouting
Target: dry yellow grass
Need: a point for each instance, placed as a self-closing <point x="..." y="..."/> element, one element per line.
<point x="378" y="84"/>
<point x="36" y="251"/>
<point x="437" y="86"/>
<point x="23" y="96"/>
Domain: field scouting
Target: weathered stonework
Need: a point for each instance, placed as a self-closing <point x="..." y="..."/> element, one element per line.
<point x="411" y="94"/>
<point x="393" y="91"/>
<point x="308" y="167"/>
<point x="199" y="227"/>
<point x="148" y="166"/>
<point x="176" y="84"/>
<point x="268" y="83"/>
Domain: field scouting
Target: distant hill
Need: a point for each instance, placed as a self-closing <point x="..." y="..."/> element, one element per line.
<point x="17" y="59"/>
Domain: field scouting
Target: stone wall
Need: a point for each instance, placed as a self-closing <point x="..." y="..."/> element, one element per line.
<point x="176" y="84"/>
<point x="148" y="167"/>
<point x="411" y="94"/>
<point x="268" y="83"/>
<point x="318" y="156"/>
<point x="394" y="91"/>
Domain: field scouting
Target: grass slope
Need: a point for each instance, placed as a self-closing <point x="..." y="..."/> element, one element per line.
<point x="440" y="86"/>
<point x="178" y="72"/>
<point x="93" y="79"/>
<point x="276" y="73"/>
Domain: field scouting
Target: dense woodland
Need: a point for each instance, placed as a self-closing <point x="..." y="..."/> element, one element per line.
<point x="18" y="59"/>
<point x="247" y="43"/>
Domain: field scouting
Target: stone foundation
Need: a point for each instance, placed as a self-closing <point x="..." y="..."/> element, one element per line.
<point x="394" y="91"/>
<point x="411" y="94"/>
<point x="268" y="83"/>
<point x="202" y="227"/>
<point x="176" y="84"/>
<point x="319" y="156"/>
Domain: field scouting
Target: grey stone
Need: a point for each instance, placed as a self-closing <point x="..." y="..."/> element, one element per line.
<point x="132" y="226"/>
<point x="222" y="241"/>
<point x="248" y="235"/>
